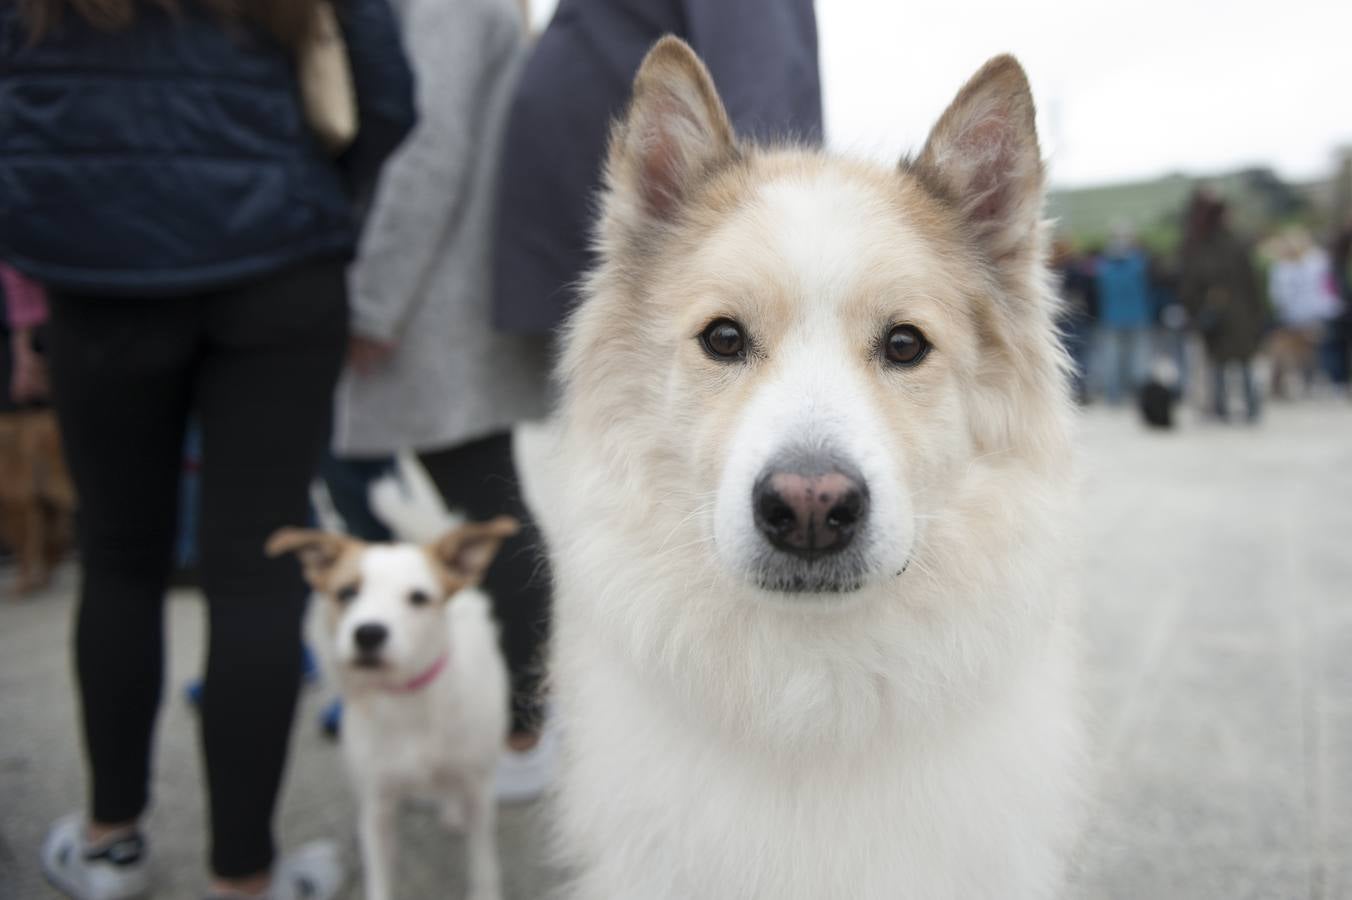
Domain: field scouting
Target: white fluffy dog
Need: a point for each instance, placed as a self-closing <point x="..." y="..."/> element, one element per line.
<point x="812" y="483"/>
<point x="423" y="683"/>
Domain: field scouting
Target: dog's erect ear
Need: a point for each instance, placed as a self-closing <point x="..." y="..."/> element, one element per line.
<point x="318" y="551"/>
<point x="464" y="554"/>
<point x="983" y="155"/>
<point x="675" y="130"/>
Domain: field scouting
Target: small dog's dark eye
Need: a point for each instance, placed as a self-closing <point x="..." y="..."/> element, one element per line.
<point x="724" y="340"/>
<point x="906" y="345"/>
<point x="346" y="594"/>
<point x="418" y="598"/>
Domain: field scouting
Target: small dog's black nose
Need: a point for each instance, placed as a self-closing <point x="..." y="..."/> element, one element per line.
<point x="370" y="637"/>
<point x="809" y="514"/>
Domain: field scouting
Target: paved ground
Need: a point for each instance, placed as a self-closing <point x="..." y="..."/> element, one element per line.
<point x="1218" y="581"/>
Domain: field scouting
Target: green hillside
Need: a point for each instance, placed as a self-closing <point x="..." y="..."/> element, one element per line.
<point x="1154" y="209"/>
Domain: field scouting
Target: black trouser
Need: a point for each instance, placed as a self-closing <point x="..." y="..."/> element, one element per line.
<point x="258" y="364"/>
<point x="479" y="479"/>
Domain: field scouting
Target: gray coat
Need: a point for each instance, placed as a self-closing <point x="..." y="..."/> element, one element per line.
<point x="422" y="274"/>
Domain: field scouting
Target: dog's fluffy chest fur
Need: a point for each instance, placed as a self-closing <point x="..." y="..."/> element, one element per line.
<point x="671" y="804"/>
<point x="409" y="741"/>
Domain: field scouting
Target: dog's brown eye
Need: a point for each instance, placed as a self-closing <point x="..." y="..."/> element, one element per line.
<point x="906" y="346"/>
<point x="724" y="340"/>
<point x="346" y="594"/>
<point x="418" y="598"/>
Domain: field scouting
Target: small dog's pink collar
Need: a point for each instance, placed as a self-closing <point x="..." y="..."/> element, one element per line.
<point x="428" y="676"/>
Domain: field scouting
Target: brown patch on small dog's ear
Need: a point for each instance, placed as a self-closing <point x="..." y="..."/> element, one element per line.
<point x="983" y="158"/>
<point x="319" y="552"/>
<point x="463" y="555"/>
<point x="674" y="132"/>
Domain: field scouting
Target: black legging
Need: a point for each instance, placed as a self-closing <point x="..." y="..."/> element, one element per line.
<point x="480" y="480"/>
<point x="258" y="364"/>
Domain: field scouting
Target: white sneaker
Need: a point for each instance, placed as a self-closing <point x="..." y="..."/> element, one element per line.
<point x="115" y="870"/>
<point x="524" y="775"/>
<point x="313" y="872"/>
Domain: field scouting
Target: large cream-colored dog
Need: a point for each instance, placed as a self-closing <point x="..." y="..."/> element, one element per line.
<point x="813" y="481"/>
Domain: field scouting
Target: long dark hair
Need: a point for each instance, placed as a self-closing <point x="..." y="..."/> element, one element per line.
<point x="286" y="20"/>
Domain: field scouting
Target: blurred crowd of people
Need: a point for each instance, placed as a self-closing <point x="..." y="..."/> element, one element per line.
<point x="1208" y="313"/>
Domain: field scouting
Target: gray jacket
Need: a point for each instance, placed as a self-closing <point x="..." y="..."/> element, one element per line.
<point x="422" y="274"/>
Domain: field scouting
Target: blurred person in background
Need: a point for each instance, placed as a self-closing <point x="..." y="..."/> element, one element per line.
<point x="1219" y="288"/>
<point x="762" y="55"/>
<point x="157" y="173"/>
<point x="1306" y="306"/>
<point x="1125" y="315"/>
<point x="427" y="371"/>
<point x="1079" y="311"/>
<point x="1340" y="261"/>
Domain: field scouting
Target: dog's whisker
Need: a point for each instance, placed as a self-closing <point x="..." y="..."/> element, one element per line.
<point x="696" y="512"/>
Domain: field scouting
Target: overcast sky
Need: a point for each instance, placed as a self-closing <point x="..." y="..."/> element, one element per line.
<point x="1125" y="89"/>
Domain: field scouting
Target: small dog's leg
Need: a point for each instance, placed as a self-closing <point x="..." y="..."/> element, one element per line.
<point x="481" y="841"/>
<point x="377" y="844"/>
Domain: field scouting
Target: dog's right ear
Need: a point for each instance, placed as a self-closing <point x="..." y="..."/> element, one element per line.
<point x="983" y="155"/>
<point x="319" y="551"/>
<point x="463" y="554"/>
<point x="675" y="131"/>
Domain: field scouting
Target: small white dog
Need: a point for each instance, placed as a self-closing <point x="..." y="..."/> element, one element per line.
<point x="813" y="636"/>
<point x="423" y="683"/>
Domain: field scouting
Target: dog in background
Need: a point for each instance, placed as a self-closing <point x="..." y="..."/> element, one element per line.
<point x="37" y="497"/>
<point x="1294" y="352"/>
<point x="814" y="623"/>
<point x="423" y="682"/>
<point x="1158" y="396"/>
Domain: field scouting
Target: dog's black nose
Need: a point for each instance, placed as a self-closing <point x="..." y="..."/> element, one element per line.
<point x="370" y="637"/>
<point x="810" y="514"/>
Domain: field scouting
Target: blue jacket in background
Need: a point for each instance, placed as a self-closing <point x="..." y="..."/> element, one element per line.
<point x="1124" y="290"/>
<point x="762" y="55"/>
<point x="174" y="156"/>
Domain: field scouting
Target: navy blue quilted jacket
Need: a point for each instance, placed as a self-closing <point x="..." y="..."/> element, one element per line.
<point x="174" y="156"/>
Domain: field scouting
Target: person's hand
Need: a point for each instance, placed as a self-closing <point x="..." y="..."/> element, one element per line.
<point x="29" y="378"/>
<point x="367" y="354"/>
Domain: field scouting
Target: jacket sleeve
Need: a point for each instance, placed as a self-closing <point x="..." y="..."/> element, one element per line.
<point x="763" y="58"/>
<point x="383" y="84"/>
<point x="423" y="186"/>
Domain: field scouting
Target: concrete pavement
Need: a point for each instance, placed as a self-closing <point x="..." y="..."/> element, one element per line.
<point x="1218" y="574"/>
